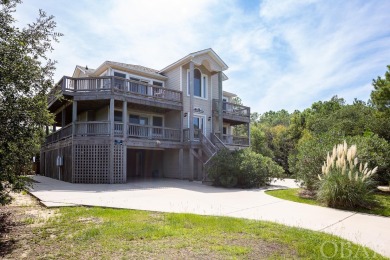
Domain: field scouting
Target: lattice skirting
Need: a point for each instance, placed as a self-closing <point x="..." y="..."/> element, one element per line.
<point x="94" y="163"/>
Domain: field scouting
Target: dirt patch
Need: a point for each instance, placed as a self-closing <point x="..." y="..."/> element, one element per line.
<point x="17" y="221"/>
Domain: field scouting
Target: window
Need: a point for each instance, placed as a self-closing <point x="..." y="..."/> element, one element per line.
<point x="157" y="121"/>
<point x="139" y="88"/>
<point x="200" y="84"/>
<point x="119" y="83"/>
<point x="118" y="116"/>
<point x="157" y="83"/>
<point x="120" y="75"/>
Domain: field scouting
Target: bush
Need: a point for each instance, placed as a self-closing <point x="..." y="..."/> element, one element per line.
<point x="223" y="167"/>
<point x="344" y="183"/>
<point x="306" y="163"/>
<point x="244" y="169"/>
<point x="311" y="151"/>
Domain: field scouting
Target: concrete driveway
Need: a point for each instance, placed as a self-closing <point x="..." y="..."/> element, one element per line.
<point x="180" y="196"/>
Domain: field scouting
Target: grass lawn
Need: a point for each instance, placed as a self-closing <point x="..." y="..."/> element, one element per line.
<point x="75" y="232"/>
<point x="292" y="194"/>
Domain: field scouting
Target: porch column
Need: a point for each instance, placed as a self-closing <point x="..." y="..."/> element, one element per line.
<point x="220" y="104"/>
<point x="54" y="127"/>
<point x="249" y="134"/>
<point x="181" y="163"/>
<point x="47" y="130"/>
<point x="191" y="91"/>
<point x="111" y="117"/>
<point x="111" y="127"/>
<point x="74" y="116"/>
<point x="124" y="119"/>
<point x="63" y="118"/>
<point x="191" y="120"/>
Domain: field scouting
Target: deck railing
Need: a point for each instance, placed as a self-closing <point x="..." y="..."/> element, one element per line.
<point x="235" y="140"/>
<point x="153" y="132"/>
<point x="92" y="128"/>
<point x="231" y="108"/>
<point x="114" y="85"/>
<point x="102" y="128"/>
<point x="60" y="134"/>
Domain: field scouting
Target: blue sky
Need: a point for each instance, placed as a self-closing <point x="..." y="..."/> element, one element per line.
<point x="282" y="54"/>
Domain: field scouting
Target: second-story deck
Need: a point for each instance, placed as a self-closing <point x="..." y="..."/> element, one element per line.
<point x="232" y="113"/>
<point x="90" y="88"/>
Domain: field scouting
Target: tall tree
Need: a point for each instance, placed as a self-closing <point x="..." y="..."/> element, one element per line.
<point x="25" y="78"/>
<point x="381" y="94"/>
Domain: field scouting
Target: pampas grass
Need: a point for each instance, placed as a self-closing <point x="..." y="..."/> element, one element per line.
<point x="344" y="182"/>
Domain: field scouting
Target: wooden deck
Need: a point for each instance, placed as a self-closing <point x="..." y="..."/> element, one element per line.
<point x="232" y="113"/>
<point x="93" y="129"/>
<point x="121" y="89"/>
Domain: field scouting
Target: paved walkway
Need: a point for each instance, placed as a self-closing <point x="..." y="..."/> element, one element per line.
<point x="179" y="196"/>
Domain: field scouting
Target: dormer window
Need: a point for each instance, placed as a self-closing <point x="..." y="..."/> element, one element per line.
<point x="200" y="84"/>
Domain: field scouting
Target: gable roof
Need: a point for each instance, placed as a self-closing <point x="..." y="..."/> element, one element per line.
<point x="130" y="67"/>
<point x="87" y="71"/>
<point x="190" y="56"/>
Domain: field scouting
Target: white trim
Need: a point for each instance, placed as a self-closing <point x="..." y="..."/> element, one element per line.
<point x="181" y="76"/>
<point x="209" y="51"/>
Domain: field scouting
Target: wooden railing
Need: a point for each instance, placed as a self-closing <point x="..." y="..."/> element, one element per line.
<point x="60" y="134"/>
<point x="118" y="129"/>
<point x="153" y="132"/>
<point x="231" y="108"/>
<point x="207" y="145"/>
<point x="92" y="128"/>
<point x="217" y="142"/>
<point x="114" y="85"/>
<point x="235" y="140"/>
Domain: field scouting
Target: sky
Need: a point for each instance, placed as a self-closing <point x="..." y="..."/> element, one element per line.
<point x="282" y="54"/>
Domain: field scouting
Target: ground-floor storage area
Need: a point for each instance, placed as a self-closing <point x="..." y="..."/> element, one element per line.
<point x="112" y="162"/>
<point x="142" y="163"/>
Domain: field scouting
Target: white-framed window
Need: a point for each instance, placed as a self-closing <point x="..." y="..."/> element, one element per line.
<point x="125" y="75"/>
<point x="200" y="84"/>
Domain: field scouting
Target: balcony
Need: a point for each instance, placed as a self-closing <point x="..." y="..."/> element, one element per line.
<point x="232" y="113"/>
<point x="107" y="87"/>
<point x="103" y="129"/>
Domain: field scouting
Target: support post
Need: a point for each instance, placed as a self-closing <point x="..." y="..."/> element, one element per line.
<point x="249" y="134"/>
<point x="200" y="165"/>
<point x="74" y="117"/>
<point x="63" y="117"/>
<point x="124" y="121"/>
<point x="181" y="163"/>
<point x="191" y="119"/>
<point x="220" y="104"/>
<point x="111" y="154"/>
<point x="191" y="91"/>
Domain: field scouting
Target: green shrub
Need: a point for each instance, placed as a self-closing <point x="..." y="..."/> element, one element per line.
<point x="344" y="183"/>
<point x="244" y="169"/>
<point x="223" y="167"/>
<point x="311" y="151"/>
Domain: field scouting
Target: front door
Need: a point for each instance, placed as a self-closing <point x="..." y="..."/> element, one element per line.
<point x="198" y="125"/>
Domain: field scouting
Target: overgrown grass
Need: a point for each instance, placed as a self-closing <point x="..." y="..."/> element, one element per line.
<point x="113" y="233"/>
<point x="382" y="198"/>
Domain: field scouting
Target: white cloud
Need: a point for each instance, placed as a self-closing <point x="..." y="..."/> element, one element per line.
<point x="284" y="54"/>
